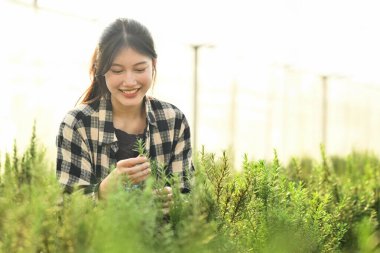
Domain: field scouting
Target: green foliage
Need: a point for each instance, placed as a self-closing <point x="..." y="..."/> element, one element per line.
<point x="330" y="205"/>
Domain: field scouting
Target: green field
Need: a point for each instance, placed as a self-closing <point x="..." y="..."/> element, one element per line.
<point x="326" y="205"/>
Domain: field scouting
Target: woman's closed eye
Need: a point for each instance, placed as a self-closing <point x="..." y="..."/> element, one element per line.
<point x="140" y="70"/>
<point x="117" y="71"/>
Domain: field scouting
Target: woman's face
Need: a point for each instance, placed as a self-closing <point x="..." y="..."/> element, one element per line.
<point x="129" y="78"/>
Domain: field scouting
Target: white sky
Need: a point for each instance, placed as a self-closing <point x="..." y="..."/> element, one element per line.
<point x="333" y="37"/>
<point x="324" y="36"/>
<point x="328" y="36"/>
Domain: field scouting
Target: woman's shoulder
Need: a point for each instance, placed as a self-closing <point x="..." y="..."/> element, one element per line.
<point x="163" y="109"/>
<point x="81" y="113"/>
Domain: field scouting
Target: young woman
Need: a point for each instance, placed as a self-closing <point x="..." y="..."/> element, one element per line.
<point x="115" y="111"/>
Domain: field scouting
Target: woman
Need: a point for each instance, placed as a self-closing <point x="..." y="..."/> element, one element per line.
<point x="115" y="111"/>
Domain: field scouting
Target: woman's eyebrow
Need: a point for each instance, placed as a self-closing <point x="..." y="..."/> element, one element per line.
<point x="121" y="65"/>
<point x="139" y="63"/>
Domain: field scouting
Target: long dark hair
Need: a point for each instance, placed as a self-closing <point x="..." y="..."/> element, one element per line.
<point x="120" y="33"/>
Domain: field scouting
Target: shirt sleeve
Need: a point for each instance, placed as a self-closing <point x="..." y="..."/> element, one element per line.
<point x="181" y="163"/>
<point x="74" y="166"/>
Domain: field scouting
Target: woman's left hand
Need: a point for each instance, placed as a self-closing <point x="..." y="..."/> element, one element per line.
<point x="165" y="197"/>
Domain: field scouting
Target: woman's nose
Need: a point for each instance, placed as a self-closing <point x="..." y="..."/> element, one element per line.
<point x="129" y="79"/>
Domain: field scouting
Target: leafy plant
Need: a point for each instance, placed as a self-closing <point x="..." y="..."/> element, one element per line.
<point x="330" y="205"/>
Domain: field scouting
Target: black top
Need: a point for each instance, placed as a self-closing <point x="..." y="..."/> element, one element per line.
<point x="127" y="144"/>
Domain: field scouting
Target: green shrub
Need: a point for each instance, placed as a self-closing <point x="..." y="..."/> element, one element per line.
<point x="330" y="205"/>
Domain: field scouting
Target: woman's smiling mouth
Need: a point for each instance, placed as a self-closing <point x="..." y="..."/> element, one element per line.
<point x="129" y="93"/>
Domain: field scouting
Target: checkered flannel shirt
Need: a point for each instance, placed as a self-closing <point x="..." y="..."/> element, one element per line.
<point x="87" y="144"/>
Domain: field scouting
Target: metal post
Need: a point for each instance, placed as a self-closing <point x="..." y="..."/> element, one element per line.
<point x="232" y="123"/>
<point x="194" y="131"/>
<point x="195" y="98"/>
<point x="324" y="110"/>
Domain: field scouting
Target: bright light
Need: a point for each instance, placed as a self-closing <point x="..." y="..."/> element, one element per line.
<point x="45" y="53"/>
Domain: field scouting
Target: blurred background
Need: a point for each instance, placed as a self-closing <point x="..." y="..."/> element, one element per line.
<point x="251" y="76"/>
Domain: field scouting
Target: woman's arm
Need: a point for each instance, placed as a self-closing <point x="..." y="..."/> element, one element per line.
<point x="74" y="166"/>
<point x="181" y="162"/>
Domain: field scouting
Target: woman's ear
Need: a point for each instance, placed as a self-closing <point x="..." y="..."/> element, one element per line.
<point x="154" y="68"/>
<point x="154" y="64"/>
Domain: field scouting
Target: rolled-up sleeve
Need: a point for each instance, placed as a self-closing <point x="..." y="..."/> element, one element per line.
<point x="74" y="167"/>
<point x="181" y="163"/>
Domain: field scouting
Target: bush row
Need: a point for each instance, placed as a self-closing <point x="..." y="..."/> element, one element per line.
<point x="331" y="205"/>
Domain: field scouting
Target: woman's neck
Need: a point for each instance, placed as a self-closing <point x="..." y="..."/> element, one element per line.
<point x="130" y="113"/>
<point x="129" y="119"/>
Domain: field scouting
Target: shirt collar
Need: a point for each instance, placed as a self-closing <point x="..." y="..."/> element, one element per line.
<point x="149" y="111"/>
<point x="106" y="129"/>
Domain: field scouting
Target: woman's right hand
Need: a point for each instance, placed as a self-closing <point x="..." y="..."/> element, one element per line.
<point x="134" y="170"/>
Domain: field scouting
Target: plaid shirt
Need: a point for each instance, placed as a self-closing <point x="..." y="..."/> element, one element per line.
<point x="87" y="143"/>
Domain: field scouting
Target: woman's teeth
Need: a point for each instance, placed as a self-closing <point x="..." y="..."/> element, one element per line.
<point x="129" y="91"/>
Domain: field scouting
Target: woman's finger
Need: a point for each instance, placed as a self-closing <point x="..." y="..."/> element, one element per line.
<point x="134" y="169"/>
<point x="137" y="168"/>
<point x="130" y="162"/>
<point x="140" y="174"/>
<point x="168" y="190"/>
<point x="167" y="204"/>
